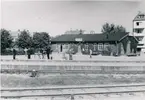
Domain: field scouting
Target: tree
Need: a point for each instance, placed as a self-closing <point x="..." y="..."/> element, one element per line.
<point x="6" y="39"/>
<point x="24" y="40"/>
<point x="115" y="29"/>
<point x="41" y="40"/>
<point x="112" y="28"/>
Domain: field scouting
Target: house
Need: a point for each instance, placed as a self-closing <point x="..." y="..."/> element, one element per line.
<point x="139" y="31"/>
<point x="105" y="44"/>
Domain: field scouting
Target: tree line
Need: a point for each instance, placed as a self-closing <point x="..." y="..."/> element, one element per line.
<point x="42" y="39"/>
<point x="24" y="40"/>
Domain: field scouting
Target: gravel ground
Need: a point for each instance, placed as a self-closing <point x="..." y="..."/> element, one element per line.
<point x="58" y="56"/>
<point x="23" y="80"/>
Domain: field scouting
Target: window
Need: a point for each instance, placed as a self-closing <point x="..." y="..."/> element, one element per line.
<point x="141" y="16"/>
<point x="106" y="45"/>
<point x="137" y="23"/>
<point x="138" y="30"/>
<point x="66" y="46"/>
<point x="86" y="47"/>
<point x="139" y="38"/>
<point x="100" y="46"/>
<point x="95" y="46"/>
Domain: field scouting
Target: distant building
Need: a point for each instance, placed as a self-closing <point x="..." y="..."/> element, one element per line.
<point x="14" y="35"/>
<point x="139" y="31"/>
<point x="99" y="43"/>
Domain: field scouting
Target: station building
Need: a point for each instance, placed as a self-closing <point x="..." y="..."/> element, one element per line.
<point x="120" y="44"/>
<point x="112" y="44"/>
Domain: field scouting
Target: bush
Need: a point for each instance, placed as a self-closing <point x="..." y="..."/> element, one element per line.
<point x="19" y="52"/>
<point x="7" y="52"/>
<point x="106" y="53"/>
<point x="10" y="52"/>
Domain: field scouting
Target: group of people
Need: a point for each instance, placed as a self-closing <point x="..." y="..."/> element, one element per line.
<point x="29" y="52"/>
<point x="41" y="53"/>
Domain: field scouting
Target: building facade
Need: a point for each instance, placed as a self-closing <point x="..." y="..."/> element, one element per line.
<point x="139" y="31"/>
<point x="120" y="44"/>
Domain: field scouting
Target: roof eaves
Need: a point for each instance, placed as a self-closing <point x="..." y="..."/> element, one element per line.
<point x="124" y="37"/>
<point x="139" y="20"/>
<point x="135" y="38"/>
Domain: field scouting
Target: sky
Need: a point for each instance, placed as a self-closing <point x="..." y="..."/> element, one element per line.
<point x="56" y="17"/>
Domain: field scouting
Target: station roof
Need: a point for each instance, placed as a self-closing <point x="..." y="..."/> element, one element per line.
<point x="64" y="38"/>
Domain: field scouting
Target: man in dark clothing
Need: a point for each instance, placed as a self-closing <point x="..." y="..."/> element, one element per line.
<point x="61" y="48"/>
<point x="29" y="53"/>
<point x="14" y="54"/>
<point x="48" y="52"/>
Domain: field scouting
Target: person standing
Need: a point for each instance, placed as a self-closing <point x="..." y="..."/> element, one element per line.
<point x="25" y="50"/>
<point x="61" y="48"/>
<point x="42" y="53"/>
<point x="14" y="54"/>
<point x="48" y="52"/>
<point x="90" y="53"/>
<point x="70" y="54"/>
<point x="39" y="54"/>
<point x="29" y="53"/>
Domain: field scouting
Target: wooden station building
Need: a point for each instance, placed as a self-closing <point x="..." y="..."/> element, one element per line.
<point x="105" y="44"/>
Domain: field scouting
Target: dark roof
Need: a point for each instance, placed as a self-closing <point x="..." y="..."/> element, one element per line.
<point x="88" y="37"/>
<point x="139" y="17"/>
<point x="133" y="38"/>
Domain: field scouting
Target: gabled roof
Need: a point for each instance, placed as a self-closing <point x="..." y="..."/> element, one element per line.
<point x="89" y="37"/>
<point x="140" y="17"/>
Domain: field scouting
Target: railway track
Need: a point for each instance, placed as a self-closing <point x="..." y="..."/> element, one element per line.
<point x="69" y="91"/>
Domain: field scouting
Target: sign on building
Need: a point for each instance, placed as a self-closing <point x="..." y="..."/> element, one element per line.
<point x="78" y="39"/>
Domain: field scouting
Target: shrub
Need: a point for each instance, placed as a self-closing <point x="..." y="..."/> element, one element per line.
<point x="106" y="53"/>
<point x="19" y="52"/>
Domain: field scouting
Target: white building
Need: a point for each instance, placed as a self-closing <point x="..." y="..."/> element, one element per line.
<point x="139" y="31"/>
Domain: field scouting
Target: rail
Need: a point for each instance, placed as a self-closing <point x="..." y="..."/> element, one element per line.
<point x="113" y="90"/>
